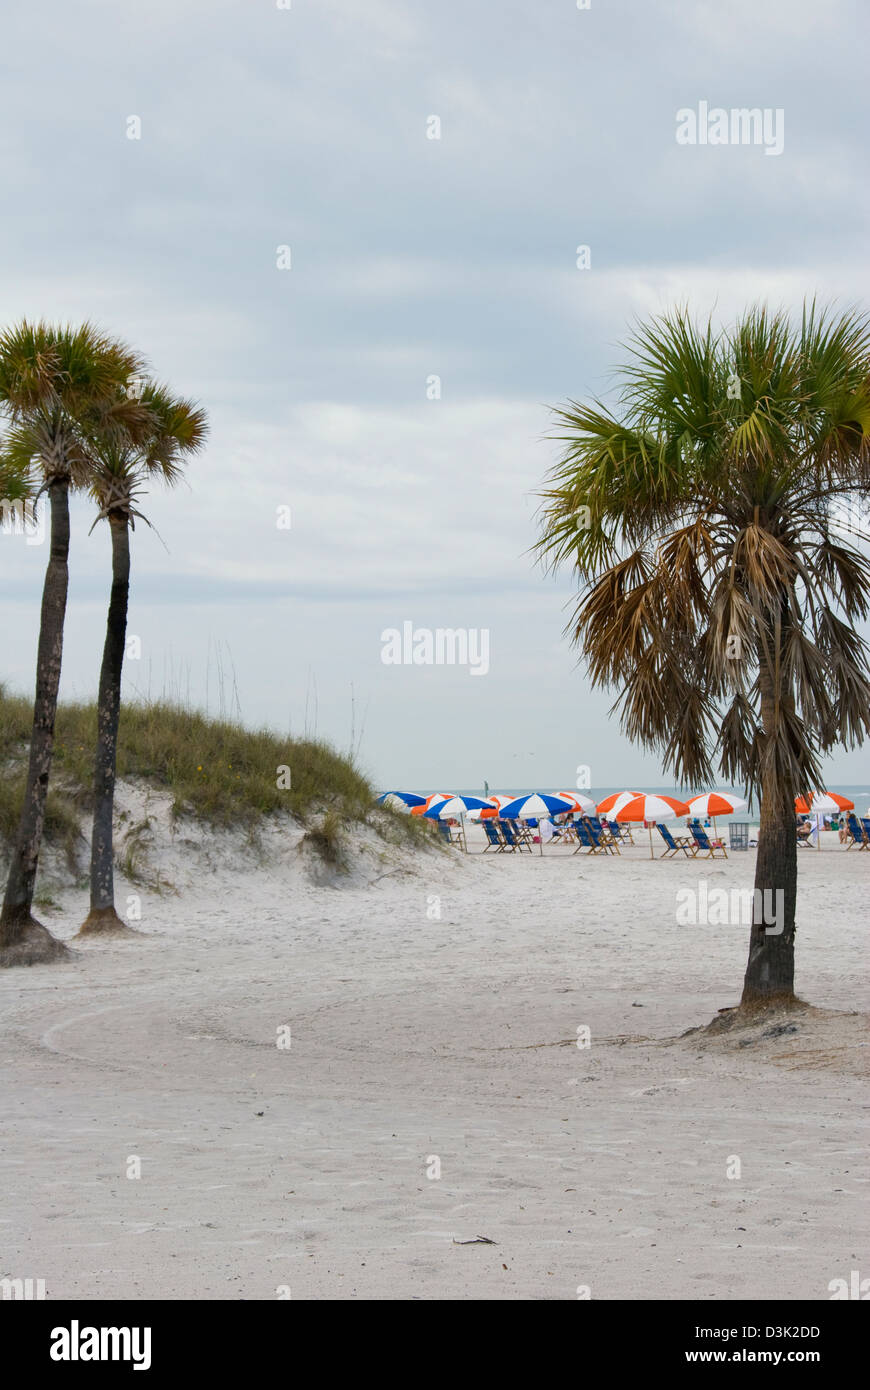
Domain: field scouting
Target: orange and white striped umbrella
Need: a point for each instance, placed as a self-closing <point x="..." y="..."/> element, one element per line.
<point x="823" y="804"/>
<point x="711" y="804"/>
<point x="649" y="809"/>
<point x="582" y="803"/>
<point x="615" y="802"/>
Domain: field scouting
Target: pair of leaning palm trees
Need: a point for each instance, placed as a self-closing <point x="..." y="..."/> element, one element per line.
<point x="81" y="413"/>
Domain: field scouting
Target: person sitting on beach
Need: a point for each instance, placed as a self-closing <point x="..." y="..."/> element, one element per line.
<point x="804" y="829"/>
<point x="548" y="831"/>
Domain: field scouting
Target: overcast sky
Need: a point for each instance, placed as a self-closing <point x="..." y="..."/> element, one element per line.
<point x="307" y="128"/>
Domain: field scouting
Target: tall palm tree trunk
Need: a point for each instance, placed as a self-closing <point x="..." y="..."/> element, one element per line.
<point x="24" y="941"/>
<point x="769" y="974"/>
<point x="102" y="916"/>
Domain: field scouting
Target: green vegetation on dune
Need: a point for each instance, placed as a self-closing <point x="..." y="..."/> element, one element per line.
<point x="215" y="771"/>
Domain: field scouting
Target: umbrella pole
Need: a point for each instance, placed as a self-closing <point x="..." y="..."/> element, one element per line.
<point x="464" y="836"/>
<point x="649" y="828"/>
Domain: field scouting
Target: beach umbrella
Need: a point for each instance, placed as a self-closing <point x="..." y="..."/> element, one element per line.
<point x="430" y="801"/>
<point x="709" y="805"/>
<point x="614" y="803"/>
<point x="649" y="809"/>
<point x="822" y="804"/>
<point x="819" y="805"/>
<point x="582" y="803"/>
<point x="456" y="806"/>
<point x="535" y="806"/>
<point x="402" y="800"/>
<point x="493" y="806"/>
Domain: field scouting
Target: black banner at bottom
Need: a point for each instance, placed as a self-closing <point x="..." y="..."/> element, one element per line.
<point x="160" y="1339"/>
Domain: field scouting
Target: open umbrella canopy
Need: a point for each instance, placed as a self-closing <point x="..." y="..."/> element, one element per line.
<point x="580" y="802"/>
<point x="650" y="808"/>
<point x="455" y="806"/>
<point x="492" y="810"/>
<point x="403" y="800"/>
<point x="534" y="806"/>
<point x="613" y="803"/>
<point x="430" y="801"/>
<point x="710" y="804"/>
<point x="823" y="804"/>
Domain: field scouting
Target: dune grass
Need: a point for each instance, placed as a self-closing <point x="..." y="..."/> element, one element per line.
<point x="215" y="770"/>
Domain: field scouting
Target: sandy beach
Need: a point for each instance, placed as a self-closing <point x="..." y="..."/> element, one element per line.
<point x="433" y="1003"/>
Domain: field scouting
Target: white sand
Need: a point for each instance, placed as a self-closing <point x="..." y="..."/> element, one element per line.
<point x="414" y="1037"/>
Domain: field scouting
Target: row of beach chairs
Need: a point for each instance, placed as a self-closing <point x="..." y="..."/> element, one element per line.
<point x="696" y="843"/>
<point x="598" y="838"/>
<point x="595" y="836"/>
<point x="505" y="836"/>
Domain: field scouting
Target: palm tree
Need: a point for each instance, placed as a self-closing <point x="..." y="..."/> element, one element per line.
<point x="714" y="521"/>
<point x="176" y="429"/>
<point x="60" y="387"/>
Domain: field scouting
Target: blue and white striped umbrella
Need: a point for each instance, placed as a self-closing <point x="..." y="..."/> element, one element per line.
<point x="534" y="806"/>
<point x="405" y="799"/>
<point x="456" y="806"/>
<point x="537" y="806"/>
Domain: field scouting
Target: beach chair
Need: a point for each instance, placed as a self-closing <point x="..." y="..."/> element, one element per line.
<point x="494" y="840"/>
<point x="603" y="836"/>
<point x="584" y="838"/>
<point x="594" y="841"/>
<point x="621" y="831"/>
<point x="604" y="833"/>
<point x="681" y="842"/>
<point x="448" y="835"/>
<point x="523" y="833"/>
<point x="866" y="827"/>
<point x="857" y="833"/>
<point x="558" y="833"/>
<point x="513" y="837"/>
<point x="707" y="848"/>
<point x="568" y="831"/>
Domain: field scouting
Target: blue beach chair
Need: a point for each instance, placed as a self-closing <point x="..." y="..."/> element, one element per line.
<point x="494" y="839"/>
<point x="708" y="848"/>
<point x="512" y="836"/>
<point x="857" y="833"/>
<point x="450" y="837"/>
<point x="621" y="831"/>
<point x="682" y="842"/>
<point x="593" y="840"/>
<point x="604" y="833"/>
<point x="584" y="838"/>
